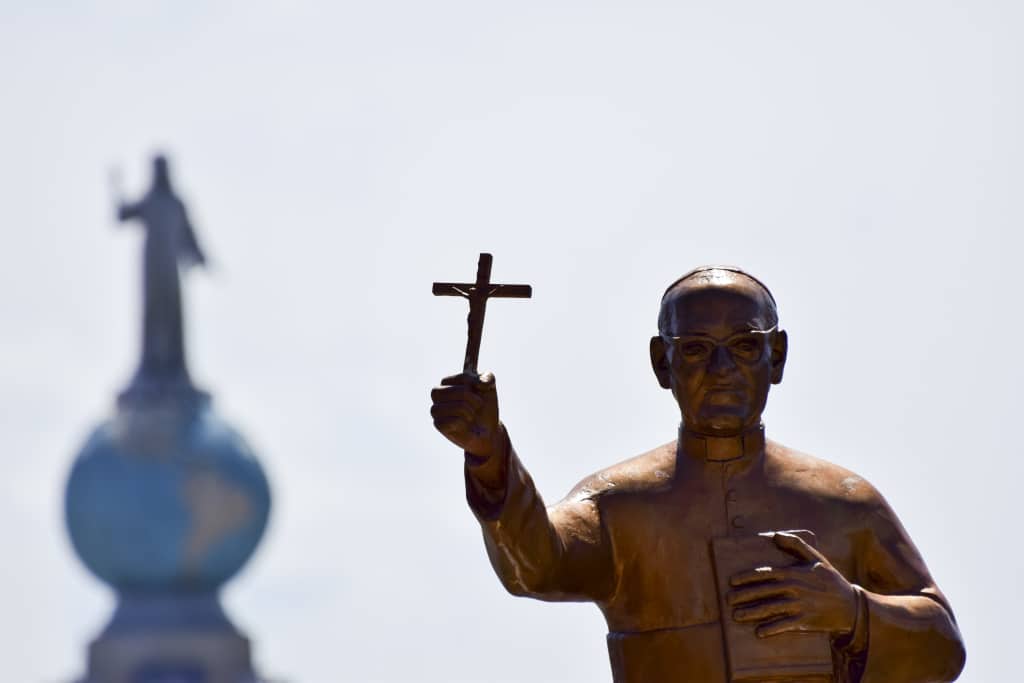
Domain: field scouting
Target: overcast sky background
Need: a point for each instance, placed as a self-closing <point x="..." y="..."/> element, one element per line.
<point x="864" y="159"/>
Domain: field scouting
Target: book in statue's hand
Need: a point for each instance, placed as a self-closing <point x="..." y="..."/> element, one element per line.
<point x="806" y="657"/>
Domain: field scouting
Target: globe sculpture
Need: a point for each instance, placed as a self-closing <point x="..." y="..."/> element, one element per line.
<point x="165" y="501"/>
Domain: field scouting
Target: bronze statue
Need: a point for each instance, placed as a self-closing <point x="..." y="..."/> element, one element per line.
<point x="685" y="548"/>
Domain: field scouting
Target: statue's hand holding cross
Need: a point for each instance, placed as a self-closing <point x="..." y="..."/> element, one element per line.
<point x="465" y="406"/>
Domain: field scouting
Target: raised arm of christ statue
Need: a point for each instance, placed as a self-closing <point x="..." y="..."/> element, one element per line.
<point x="686" y="548"/>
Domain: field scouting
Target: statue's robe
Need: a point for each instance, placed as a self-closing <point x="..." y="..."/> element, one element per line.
<point x="635" y="539"/>
<point x="170" y="243"/>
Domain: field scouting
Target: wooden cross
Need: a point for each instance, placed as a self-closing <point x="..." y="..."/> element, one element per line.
<point x="478" y="293"/>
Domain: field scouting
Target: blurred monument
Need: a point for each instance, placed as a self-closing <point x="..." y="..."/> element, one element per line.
<point x="166" y="502"/>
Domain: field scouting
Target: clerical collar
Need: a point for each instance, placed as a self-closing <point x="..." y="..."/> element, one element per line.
<point x="722" y="448"/>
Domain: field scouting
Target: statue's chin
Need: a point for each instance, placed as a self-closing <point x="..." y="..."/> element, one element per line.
<point x="721" y="422"/>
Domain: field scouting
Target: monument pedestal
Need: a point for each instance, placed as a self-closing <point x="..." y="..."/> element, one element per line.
<point x="163" y="639"/>
<point x="171" y="657"/>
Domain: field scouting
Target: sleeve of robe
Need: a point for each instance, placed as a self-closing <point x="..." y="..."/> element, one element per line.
<point x="557" y="553"/>
<point x="909" y="634"/>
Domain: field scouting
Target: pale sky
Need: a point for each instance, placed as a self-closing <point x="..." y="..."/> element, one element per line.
<point x="864" y="159"/>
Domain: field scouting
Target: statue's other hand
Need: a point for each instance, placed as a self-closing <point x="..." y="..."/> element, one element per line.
<point x="809" y="596"/>
<point x="465" y="410"/>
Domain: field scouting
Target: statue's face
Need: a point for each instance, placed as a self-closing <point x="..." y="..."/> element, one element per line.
<point x="719" y="353"/>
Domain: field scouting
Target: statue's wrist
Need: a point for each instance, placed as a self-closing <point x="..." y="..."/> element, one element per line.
<point x="853" y="639"/>
<point x="497" y="445"/>
<point x="477" y="459"/>
<point x="489" y="467"/>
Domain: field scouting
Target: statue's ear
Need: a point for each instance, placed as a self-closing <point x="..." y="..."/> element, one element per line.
<point x="780" y="347"/>
<point x="659" y="361"/>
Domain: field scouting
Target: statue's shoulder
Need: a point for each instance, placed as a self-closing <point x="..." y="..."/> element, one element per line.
<point x="799" y="471"/>
<point x="645" y="472"/>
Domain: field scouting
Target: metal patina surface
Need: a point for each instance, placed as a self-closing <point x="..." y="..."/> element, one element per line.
<point x="723" y="555"/>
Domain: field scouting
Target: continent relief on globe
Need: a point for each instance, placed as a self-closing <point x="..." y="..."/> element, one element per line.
<point x="218" y="509"/>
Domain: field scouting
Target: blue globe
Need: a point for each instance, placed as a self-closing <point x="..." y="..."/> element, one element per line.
<point x="166" y="498"/>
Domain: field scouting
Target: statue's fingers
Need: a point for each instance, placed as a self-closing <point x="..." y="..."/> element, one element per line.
<point x="480" y="383"/>
<point x="452" y="427"/>
<point x="456" y="393"/>
<point x="762" y="591"/>
<point x="452" y="410"/>
<point x="773" y="609"/>
<point x="797" y="547"/>
<point x="485" y="386"/>
<point x="763" y="575"/>
<point x="782" y="625"/>
<point x="460" y="379"/>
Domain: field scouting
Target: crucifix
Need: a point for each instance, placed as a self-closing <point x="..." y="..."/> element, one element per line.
<point x="478" y="293"/>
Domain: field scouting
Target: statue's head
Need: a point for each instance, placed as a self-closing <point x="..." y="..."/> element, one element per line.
<point x="719" y="349"/>
<point x="161" y="173"/>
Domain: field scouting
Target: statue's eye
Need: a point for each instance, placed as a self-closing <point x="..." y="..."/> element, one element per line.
<point x="693" y="350"/>
<point x="746" y="348"/>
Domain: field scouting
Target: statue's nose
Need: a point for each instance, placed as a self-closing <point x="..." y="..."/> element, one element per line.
<point x="721" y="361"/>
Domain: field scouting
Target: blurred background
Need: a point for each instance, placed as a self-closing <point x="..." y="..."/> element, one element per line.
<point x="864" y="160"/>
